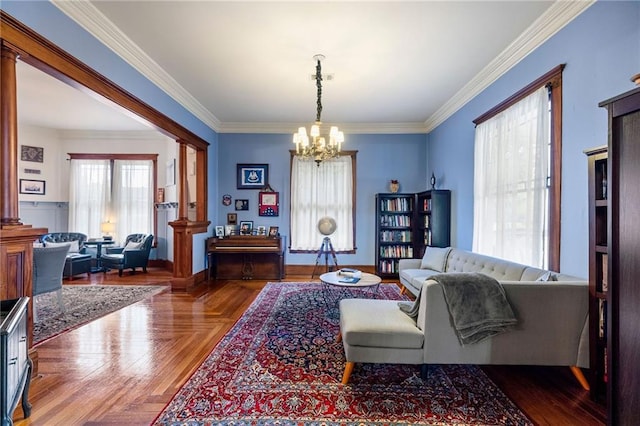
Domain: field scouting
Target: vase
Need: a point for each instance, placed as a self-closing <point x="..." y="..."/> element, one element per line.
<point x="394" y="187"/>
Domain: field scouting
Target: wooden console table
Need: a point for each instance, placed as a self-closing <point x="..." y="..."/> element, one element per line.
<point x="246" y="257"/>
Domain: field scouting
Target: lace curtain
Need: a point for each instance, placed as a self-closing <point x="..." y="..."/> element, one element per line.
<point x="512" y="152"/>
<point x="128" y="204"/>
<point x="318" y="191"/>
<point x="132" y="206"/>
<point x="89" y="195"/>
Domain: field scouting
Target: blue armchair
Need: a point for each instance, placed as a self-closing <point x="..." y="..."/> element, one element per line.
<point x="134" y="254"/>
<point x="48" y="264"/>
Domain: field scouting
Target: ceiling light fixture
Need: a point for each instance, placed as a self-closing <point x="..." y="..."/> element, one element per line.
<point x="314" y="145"/>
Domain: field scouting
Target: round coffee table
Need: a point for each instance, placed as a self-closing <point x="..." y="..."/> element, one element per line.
<point x="367" y="285"/>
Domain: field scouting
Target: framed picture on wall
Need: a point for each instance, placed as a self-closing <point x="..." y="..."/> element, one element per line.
<point x="268" y="204"/>
<point x="232" y="218"/>
<point x="252" y="176"/>
<point x="29" y="186"/>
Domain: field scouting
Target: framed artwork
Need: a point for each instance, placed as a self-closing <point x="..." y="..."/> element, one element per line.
<point x="32" y="153"/>
<point x="252" y="176"/>
<point x="226" y="200"/>
<point x="29" y="186"/>
<point x="273" y="231"/>
<point x="232" y="218"/>
<point x="262" y="230"/>
<point x="242" y="204"/>
<point x="220" y="231"/>
<point x="268" y="204"/>
<point x="246" y="226"/>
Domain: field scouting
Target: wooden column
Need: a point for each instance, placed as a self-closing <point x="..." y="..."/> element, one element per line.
<point x="183" y="231"/>
<point x="8" y="138"/>
<point x="16" y="239"/>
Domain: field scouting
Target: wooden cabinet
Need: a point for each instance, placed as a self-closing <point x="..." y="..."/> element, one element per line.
<point x="246" y="257"/>
<point x="15" y="364"/>
<point x="598" y="267"/>
<point x="407" y="223"/>
<point x="623" y="269"/>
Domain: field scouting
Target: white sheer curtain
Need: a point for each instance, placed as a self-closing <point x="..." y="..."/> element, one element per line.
<point x="89" y="195"/>
<point x="510" y="184"/>
<point x="132" y="198"/>
<point x="318" y="191"/>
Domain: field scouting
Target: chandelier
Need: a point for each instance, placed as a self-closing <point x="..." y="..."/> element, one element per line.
<point x="314" y="145"/>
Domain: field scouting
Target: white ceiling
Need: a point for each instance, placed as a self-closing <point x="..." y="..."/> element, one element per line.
<point x="246" y="66"/>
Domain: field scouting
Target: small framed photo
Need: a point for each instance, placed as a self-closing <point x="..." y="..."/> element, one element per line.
<point x="232" y="218"/>
<point x="261" y="230"/>
<point x="230" y="230"/>
<point x="32" y="153"/>
<point x="246" y="226"/>
<point x="242" y="204"/>
<point x="29" y="186"/>
<point x="268" y="204"/>
<point x="273" y="231"/>
<point x="220" y="231"/>
<point x="252" y="176"/>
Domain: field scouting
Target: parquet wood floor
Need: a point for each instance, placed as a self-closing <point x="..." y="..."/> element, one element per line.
<point x="125" y="367"/>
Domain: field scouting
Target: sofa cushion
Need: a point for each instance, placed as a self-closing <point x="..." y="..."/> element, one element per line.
<point x="465" y="261"/>
<point x="378" y="323"/>
<point x="435" y="258"/>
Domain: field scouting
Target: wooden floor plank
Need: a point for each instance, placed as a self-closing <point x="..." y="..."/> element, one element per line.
<point x="124" y="368"/>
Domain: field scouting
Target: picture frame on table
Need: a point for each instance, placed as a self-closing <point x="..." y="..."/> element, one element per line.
<point x="246" y="227"/>
<point x="273" y="231"/>
<point x="31" y="186"/>
<point x="230" y="230"/>
<point x="252" y="176"/>
<point x="220" y="231"/>
<point x="261" y="230"/>
<point x="268" y="203"/>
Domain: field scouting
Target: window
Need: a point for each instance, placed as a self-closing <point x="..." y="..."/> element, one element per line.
<point x="517" y="176"/>
<point x="119" y="190"/>
<point x="322" y="190"/>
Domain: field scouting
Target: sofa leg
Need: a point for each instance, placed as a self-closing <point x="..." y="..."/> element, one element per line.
<point x="119" y="272"/>
<point x="577" y="372"/>
<point x="403" y="289"/>
<point x="424" y="371"/>
<point x="339" y="337"/>
<point x="348" y="368"/>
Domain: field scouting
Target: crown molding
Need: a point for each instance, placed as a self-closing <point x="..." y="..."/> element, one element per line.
<point x="92" y="20"/>
<point x="347" y="128"/>
<point x="96" y="23"/>
<point x="549" y="23"/>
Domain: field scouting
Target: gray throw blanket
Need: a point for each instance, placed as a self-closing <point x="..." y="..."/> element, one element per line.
<point x="477" y="305"/>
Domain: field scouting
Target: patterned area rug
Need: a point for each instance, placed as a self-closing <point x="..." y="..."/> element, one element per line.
<point x="281" y="364"/>
<point x="83" y="303"/>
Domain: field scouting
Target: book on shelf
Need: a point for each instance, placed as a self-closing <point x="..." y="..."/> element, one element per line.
<point x="605" y="284"/>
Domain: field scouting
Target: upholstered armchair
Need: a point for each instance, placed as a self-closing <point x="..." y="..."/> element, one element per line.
<point x="134" y="254"/>
<point x="48" y="264"/>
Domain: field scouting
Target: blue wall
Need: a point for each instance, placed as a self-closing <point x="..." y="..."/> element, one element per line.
<point x="380" y="158"/>
<point x="601" y="50"/>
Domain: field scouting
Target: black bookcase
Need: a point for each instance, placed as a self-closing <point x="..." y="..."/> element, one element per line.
<point x="407" y="223"/>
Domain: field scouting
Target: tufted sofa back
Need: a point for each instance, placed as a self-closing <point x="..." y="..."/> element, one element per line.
<point x="64" y="237"/>
<point x="501" y="270"/>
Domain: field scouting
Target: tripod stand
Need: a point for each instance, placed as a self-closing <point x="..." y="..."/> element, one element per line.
<point x="326" y="248"/>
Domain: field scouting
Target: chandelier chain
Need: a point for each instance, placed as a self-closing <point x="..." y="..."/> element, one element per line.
<point x="319" y="86"/>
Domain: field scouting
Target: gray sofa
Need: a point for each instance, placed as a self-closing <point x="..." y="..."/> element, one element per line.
<point x="551" y="309"/>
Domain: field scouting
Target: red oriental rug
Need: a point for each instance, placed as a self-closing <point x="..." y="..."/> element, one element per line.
<point x="281" y="364"/>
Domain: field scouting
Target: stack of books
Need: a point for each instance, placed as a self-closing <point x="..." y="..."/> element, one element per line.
<point x="348" y="275"/>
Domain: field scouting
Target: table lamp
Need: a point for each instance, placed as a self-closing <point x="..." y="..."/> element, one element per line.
<point x="107" y="228"/>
